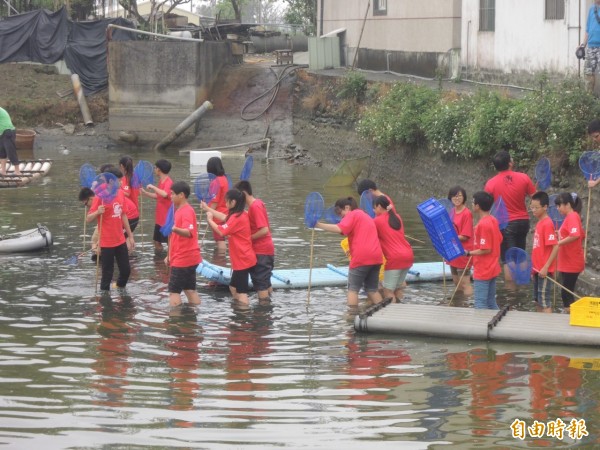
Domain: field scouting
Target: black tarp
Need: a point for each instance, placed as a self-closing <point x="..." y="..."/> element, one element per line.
<point x="38" y="36"/>
<point x="46" y="37"/>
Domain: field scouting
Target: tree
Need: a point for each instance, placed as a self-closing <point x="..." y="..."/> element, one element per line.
<point x="303" y="13"/>
<point x="155" y="6"/>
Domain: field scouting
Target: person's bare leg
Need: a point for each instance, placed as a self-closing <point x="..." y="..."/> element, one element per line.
<point x="3" y="166"/>
<point x="466" y="285"/>
<point x="398" y="294"/>
<point x="192" y="296"/>
<point x="375" y="297"/>
<point x="352" y="298"/>
<point x="174" y="299"/>
<point x="243" y="299"/>
<point x="221" y="246"/>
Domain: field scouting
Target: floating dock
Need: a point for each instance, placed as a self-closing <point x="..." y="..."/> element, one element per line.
<point x="474" y="324"/>
<point x="321" y="276"/>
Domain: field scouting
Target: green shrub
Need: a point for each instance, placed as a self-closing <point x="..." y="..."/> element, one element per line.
<point x="399" y="117"/>
<point x="353" y="86"/>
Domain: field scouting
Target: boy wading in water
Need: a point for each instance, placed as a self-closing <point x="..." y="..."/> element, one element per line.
<point x="184" y="252"/>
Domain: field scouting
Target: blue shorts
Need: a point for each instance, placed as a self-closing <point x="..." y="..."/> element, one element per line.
<point x="542" y="291"/>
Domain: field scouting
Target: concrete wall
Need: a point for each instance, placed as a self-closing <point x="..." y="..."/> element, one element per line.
<point x="523" y="41"/>
<point x="415" y="36"/>
<point x="154" y="85"/>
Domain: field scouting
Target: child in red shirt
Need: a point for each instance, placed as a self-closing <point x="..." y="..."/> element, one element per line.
<point x="112" y="220"/>
<point x="571" y="260"/>
<point x="236" y="226"/>
<point x="365" y="249"/>
<point x="486" y="253"/>
<point x="543" y="254"/>
<point x="162" y="195"/>
<point x="396" y="249"/>
<point x="184" y="253"/>
<point x="463" y="222"/>
<point x="262" y="242"/>
<point x="220" y="185"/>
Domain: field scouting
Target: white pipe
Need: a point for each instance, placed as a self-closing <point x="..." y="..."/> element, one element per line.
<point x="147" y="33"/>
<point x="188" y="122"/>
<point x="85" y="112"/>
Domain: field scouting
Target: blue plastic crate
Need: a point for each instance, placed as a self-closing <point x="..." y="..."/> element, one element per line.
<point x="441" y="230"/>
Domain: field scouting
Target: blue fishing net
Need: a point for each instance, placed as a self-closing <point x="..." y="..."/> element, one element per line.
<point x="105" y="187"/>
<point x="247" y="169"/>
<point x="167" y="228"/>
<point x="331" y="216"/>
<point x="204" y="188"/>
<point x="143" y="174"/>
<point x="543" y="174"/>
<point x="500" y="212"/>
<point x="87" y="173"/>
<point x="556" y="217"/>
<point x="589" y="163"/>
<point x="313" y="209"/>
<point x="519" y="265"/>
<point x="366" y="202"/>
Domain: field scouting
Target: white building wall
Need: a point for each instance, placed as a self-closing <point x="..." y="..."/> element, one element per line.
<point x="523" y="40"/>
<point x="409" y="25"/>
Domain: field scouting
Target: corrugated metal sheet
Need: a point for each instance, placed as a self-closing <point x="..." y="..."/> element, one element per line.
<point x="324" y="53"/>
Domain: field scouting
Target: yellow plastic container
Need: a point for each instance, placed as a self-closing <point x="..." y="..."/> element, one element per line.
<point x="585" y="312"/>
<point x="587" y="364"/>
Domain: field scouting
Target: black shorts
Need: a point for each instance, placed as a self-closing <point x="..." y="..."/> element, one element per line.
<point x="514" y="235"/>
<point x="261" y="275"/>
<point x="182" y="279"/>
<point x="239" y="280"/>
<point x="133" y="223"/>
<point x="158" y="237"/>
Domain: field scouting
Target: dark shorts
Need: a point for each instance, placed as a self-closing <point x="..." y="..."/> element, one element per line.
<point x="8" y="147"/>
<point x="514" y="235"/>
<point x="158" y="237"/>
<point x="133" y="223"/>
<point x="364" y="276"/>
<point x="182" y="279"/>
<point x="239" y="280"/>
<point x="261" y="275"/>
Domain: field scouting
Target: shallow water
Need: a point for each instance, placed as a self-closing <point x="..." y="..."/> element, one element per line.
<point x="129" y="374"/>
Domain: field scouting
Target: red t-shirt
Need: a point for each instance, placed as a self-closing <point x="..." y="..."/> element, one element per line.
<point x="163" y="204"/>
<point x="257" y="212"/>
<point x="111" y="233"/>
<point x="362" y="239"/>
<point x="570" y="256"/>
<point x="131" y="210"/>
<point x="220" y="185"/>
<point x="463" y="222"/>
<point x="185" y="251"/>
<point x="514" y="187"/>
<point x="396" y="249"/>
<point x="241" y="253"/>
<point x="487" y="237"/>
<point x="134" y="193"/>
<point x="544" y="240"/>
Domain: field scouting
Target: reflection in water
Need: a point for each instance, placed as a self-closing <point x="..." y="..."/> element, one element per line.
<point x="131" y="373"/>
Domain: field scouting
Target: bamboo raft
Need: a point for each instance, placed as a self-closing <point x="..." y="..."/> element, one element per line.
<point x="31" y="170"/>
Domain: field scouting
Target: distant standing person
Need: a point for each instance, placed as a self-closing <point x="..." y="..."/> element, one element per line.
<point x="593" y="130"/>
<point x="463" y="222"/>
<point x="220" y="185"/>
<point x="184" y="255"/>
<point x="365" y="249"/>
<point x="543" y="253"/>
<point x="8" y="146"/>
<point x="591" y="40"/>
<point x="262" y="242"/>
<point x="571" y="260"/>
<point x="162" y="195"/>
<point x="514" y="188"/>
<point x="486" y="253"/>
<point x="370" y="185"/>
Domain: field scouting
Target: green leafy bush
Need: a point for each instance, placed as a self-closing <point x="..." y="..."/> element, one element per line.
<point x="353" y="86"/>
<point x="399" y="116"/>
